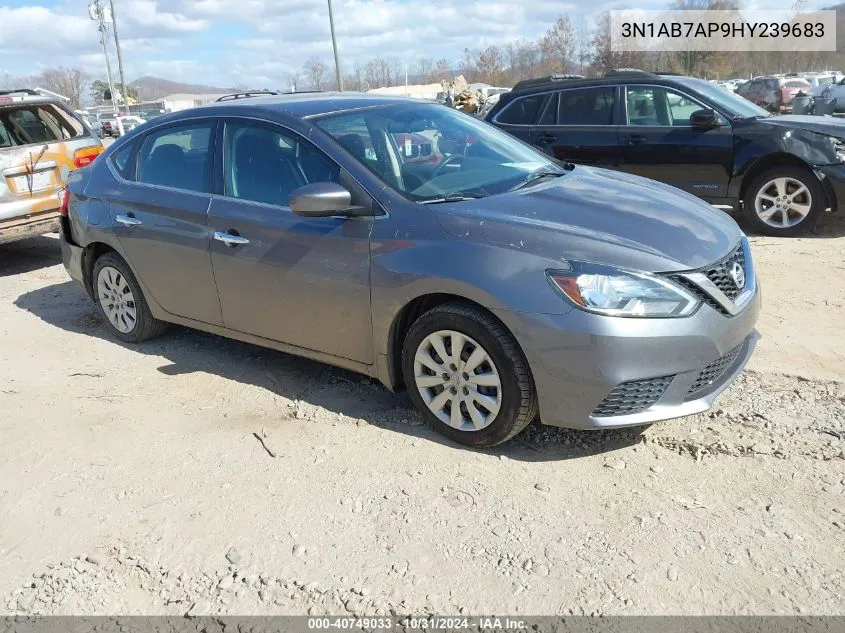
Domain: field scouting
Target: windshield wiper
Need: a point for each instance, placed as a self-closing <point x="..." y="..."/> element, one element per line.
<point x="537" y="175"/>
<point x="451" y="197"/>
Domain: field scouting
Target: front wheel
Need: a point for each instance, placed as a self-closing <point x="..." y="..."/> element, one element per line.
<point x="784" y="201"/>
<point x="467" y="376"/>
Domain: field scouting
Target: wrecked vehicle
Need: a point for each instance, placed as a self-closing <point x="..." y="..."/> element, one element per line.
<point x="41" y="141"/>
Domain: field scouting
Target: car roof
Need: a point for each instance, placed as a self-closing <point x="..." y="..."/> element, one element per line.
<point x="614" y="78"/>
<point x="310" y="104"/>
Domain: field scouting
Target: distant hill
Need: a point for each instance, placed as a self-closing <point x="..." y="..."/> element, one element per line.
<point x="151" y="88"/>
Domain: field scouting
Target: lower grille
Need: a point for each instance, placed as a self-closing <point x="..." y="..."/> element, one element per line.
<point x="632" y="397"/>
<point x="714" y="371"/>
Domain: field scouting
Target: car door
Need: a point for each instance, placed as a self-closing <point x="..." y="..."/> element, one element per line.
<point x="577" y="125"/>
<point x="280" y="276"/>
<point x="658" y="141"/>
<point x="160" y="218"/>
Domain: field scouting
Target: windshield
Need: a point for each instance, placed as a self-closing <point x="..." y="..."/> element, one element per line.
<point x="729" y="103"/>
<point x="429" y="152"/>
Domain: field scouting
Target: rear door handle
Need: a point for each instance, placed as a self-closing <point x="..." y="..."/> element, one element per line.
<point x="229" y="239"/>
<point x="635" y="139"/>
<point x="545" y="138"/>
<point x="127" y="220"/>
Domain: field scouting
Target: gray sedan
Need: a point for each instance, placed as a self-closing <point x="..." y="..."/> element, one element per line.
<point x="491" y="282"/>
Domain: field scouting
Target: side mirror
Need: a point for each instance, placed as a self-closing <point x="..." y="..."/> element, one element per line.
<point x="322" y="200"/>
<point x="704" y="119"/>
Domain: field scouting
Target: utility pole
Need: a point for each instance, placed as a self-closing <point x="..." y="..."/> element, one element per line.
<point x="123" y="89"/>
<point x="97" y="13"/>
<point x="334" y="46"/>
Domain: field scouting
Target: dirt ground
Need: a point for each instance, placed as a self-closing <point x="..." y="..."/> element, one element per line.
<point x="132" y="481"/>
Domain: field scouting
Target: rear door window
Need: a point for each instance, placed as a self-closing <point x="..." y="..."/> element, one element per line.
<point x="177" y="157"/>
<point x="587" y="106"/>
<point x="523" y="111"/>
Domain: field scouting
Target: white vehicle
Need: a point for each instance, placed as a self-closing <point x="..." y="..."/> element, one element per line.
<point x="124" y="124"/>
<point x="820" y="81"/>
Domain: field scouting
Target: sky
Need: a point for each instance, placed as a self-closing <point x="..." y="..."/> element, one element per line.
<point x="256" y="42"/>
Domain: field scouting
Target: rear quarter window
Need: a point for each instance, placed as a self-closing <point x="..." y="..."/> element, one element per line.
<point x="522" y="111"/>
<point x="123" y="160"/>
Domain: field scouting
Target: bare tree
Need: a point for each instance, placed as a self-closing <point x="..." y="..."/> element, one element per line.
<point x="424" y="69"/>
<point x="314" y="71"/>
<point x="442" y="70"/>
<point x="69" y="82"/>
<point x="293" y="80"/>
<point x="522" y="59"/>
<point x="558" y="46"/>
<point x="490" y="65"/>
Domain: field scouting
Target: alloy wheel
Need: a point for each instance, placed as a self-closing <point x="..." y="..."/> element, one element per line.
<point x="458" y="380"/>
<point x="116" y="299"/>
<point x="783" y="202"/>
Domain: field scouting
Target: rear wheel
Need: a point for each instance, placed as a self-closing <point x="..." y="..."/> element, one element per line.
<point x="467" y="376"/>
<point x="121" y="301"/>
<point x="784" y="201"/>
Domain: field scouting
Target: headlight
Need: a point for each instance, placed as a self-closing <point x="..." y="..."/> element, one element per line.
<point x="622" y="293"/>
<point x="838" y="148"/>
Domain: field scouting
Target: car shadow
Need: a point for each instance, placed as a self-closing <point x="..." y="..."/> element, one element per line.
<point x="307" y="382"/>
<point x="30" y="254"/>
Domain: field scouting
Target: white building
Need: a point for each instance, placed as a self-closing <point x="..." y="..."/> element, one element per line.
<point x="183" y="101"/>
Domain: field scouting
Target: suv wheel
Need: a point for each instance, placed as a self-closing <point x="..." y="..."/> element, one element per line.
<point x="467" y="376"/>
<point x="121" y="301"/>
<point x="784" y="201"/>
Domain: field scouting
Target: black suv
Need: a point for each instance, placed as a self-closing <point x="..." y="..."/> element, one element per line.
<point x="782" y="171"/>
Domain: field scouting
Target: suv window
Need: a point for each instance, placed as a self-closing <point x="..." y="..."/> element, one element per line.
<point x="587" y="106"/>
<point x="654" y="106"/>
<point x="43" y="123"/>
<point x="522" y="111"/>
<point x="265" y="165"/>
<point x="177" y="157"/>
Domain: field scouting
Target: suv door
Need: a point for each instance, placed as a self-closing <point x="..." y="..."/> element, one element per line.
<point x="281" y="276"/>
<point x="160" y="217"/>
<point x="659" y="142"/>
<point x="577" y="125"/>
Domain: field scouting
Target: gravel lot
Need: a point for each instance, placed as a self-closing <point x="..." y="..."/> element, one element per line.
<point x="133" y="479"/>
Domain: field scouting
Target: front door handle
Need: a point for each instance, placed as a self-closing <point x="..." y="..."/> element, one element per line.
<point x="635" y="139"/>
<point x="127" y="220"/>
<point x="229" y="239"/>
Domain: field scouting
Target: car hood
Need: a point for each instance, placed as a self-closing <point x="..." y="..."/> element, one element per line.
<point x="599" y="216"/>
<point x="821" y="125"/>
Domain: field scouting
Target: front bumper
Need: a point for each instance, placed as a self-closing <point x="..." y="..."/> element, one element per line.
<point x="834" y="181"/>
<point x="578" y="359"/>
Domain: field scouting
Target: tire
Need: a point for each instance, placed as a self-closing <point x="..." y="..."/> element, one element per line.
<point x="515" y="396"/>
<point x="131" y="321"/>
<point x="811" y="202"/>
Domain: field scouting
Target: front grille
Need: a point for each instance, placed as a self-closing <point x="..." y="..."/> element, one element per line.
<point x="632" y="397"/>
<point x="714" y="371"/>
<point x="720" y="275"/>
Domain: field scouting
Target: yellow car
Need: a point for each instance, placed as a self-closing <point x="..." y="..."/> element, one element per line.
<point x="41" y="142"/>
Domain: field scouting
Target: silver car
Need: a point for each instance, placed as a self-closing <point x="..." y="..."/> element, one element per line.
<point x="41" y="141"/>
<point x="491" y="282"/>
